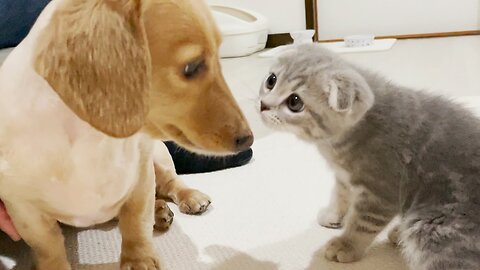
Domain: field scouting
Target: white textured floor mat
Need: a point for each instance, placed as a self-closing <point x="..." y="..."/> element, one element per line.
<point x="377" y="46"/>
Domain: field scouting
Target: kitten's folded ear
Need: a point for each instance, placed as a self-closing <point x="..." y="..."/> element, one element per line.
<point x="94" y="54"/>
<point x="345" y="88"/>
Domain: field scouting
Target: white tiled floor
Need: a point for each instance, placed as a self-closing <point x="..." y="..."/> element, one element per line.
<point x="447" y="66"/>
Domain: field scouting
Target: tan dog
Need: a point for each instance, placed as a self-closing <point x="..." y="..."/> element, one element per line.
<point x="82" y="98"/>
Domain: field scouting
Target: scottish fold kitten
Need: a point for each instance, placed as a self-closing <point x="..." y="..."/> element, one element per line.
<point x="395" y="151"/>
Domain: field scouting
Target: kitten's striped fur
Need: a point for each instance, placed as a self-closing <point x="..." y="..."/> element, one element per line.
<point x="395" y="151"/>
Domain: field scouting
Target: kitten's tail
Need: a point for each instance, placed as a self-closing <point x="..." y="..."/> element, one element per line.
<point x="440" y="242"/>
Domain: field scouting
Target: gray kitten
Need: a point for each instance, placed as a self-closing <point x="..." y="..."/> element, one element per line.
<point x="395" y="151"/>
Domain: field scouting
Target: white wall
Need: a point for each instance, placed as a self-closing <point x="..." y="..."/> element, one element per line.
<point x="339" y="18"/>
<point x="284" y="15"/>
<point x="478" y="16"/>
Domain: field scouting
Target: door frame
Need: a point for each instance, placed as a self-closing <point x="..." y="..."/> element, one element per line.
<point x="311" y="14"/>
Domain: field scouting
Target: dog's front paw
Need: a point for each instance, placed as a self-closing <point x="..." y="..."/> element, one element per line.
<point x="329" y="218"/>
<point x="193" y="202"/>
<point x="341" y="250"/>
<point x="163" y="216"/>
<point x="146" y="261"/>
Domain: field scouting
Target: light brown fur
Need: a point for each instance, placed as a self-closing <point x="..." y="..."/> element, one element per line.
<point x="214" y="117"/>
<point x="97" y="60"/>
<point x="118" y="65"/>
<point x="126" y="72"/>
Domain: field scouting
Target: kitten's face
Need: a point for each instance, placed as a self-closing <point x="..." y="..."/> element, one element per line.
<point x="284" y="104"/>
<point x="314" y="94"/>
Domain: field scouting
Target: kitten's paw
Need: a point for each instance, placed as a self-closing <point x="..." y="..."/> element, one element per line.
<point x="330" y="218"/>
<point x="146" y="260"/>
<point x="193" y="202"/>
<point x="341" y="250"/>
<point x="394" y="236"/>
<point x="163" y="216"/>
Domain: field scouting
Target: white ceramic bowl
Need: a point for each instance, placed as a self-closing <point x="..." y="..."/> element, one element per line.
<point x="302" y="36"/>
<point x="359" y="40"/>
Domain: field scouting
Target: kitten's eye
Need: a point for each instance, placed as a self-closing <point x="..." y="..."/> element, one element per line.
<point x="271" y="81"/>
<point x="295" y="103"/>
<point x="194" y="69"/>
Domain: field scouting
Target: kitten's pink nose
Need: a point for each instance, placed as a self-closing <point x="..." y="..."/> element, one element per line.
<point x="263" y="107"/>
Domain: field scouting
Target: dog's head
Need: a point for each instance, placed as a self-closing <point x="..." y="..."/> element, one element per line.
<point x="150" y="65"/>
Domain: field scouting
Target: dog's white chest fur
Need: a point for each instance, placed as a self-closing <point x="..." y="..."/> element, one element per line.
<point x="52" y="159"/>
<point x="76" y="185"/>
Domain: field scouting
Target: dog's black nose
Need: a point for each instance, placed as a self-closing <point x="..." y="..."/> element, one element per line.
<point x="244" y="142"/>
<point x="263" y="107"/>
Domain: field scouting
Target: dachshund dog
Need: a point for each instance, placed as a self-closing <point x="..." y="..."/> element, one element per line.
<point x="85" y="101"/>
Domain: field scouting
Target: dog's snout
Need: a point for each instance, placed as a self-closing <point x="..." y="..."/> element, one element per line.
<point x="263" y="107"/>
<point x="244" y="142"/>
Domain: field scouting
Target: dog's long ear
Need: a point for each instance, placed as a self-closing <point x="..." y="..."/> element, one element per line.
<point x="94" y="54"/>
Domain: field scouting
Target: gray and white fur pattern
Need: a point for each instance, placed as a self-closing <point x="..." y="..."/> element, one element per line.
<point x="395" y="151"/>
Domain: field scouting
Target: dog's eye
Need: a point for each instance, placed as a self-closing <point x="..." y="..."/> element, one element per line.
<point x="271" y="81"/>
<point x="194" y="68"/>
<point x="295" y="103"/>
